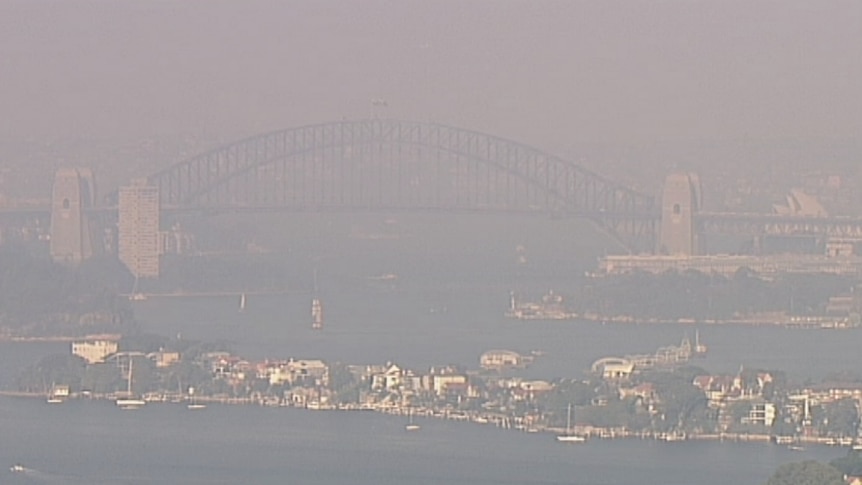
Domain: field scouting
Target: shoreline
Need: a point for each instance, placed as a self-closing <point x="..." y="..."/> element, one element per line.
<point x="509" y="423"/>
<point x="59" y="338"/>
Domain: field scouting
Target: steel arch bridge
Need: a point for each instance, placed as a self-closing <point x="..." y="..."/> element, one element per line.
<point x="392" y="165"/>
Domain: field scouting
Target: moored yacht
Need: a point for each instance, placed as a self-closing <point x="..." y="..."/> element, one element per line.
<point x="569" y="436"/>
<point x="129" y="401"/>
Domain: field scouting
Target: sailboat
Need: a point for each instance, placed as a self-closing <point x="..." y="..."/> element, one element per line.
<point x="316" y="314"/>
<point x="129" y="401"/>
<point x="570" y="437"/>
<point x="194" y="404"/>
<point x="699" y="348"/>
<point x="411" y="426"/>
<point x="242" y="302"/>
<point x="316" y="308"/>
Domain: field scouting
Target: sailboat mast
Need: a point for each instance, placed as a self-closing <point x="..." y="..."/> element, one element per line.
<point x="129" y="384"/>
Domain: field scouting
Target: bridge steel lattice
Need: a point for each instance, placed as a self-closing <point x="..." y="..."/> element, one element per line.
<point x="391" y="165"/>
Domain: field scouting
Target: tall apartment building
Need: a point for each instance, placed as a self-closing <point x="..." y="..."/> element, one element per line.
<point x="138" y="228"/>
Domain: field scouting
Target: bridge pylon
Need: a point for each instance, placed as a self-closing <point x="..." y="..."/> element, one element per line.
<point x="681" y="200"/>
<point x="73" y="235"/>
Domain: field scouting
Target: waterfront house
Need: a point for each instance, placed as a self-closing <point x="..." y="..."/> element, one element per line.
<point x="500" y="359"/>
<point x="440" y="383"/>
<point x="94" y="351"/>
<point x="390" y="379"/>
<point x="761" y="413"/>
<point x="164" y="358"/>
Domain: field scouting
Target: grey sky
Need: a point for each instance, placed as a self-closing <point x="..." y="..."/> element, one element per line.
<point x="548" y="73"/>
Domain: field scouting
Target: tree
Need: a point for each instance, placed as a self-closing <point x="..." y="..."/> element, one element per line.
<point x="850" y="465"/>
<point x="842" y="417"/>
<point x="808" y="472"/>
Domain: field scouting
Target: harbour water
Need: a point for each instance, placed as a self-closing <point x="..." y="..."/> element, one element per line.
<point x="96" y="443"/>
<point x="446" y="306"/>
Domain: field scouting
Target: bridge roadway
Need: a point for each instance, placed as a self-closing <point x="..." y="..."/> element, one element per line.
<point x="387" y="165"/>
<point x="846" y="227"/>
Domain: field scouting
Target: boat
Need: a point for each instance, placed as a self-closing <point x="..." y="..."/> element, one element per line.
<point x="58" y="394"/>
<point x="411" y="426"/>
<point x="796" y="448"/>
<point x="17" y="468"/>
<point x="194" y="405"/>
<point x="569" y="436"/>
<point x="316" y="314"/>
<point x="700" y="349"/>
<point x="129" y="401"/>
<point x="673" y="436"/>
<point x="242" y="302"/>
<point x="316" y="307"/>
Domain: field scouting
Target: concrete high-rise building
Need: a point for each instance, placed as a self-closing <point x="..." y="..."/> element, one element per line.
<point x="680" y="201"/>
<point x="71" y="232"/>
<point x="138" y="229"/>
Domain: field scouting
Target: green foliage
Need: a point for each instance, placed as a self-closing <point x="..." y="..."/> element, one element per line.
<point x="567" y="391"/>
<point x="691" y="294"/>
<point x="806" y="473"/>
<point x="682" y="404"/>
<point x="56" y="369"/>
<point x="850" y="465"/>
<point x="842" y="417"/>
<point x="39" y="296"/>
<point x="343" y="383"/>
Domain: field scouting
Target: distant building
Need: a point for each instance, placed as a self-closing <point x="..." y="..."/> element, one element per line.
<point x="800" y="204"/>
<point x="71" y="232"/>
<point x="138" y="244"/>
<point x="500" y="359"/>
<point x="727" y="265"/>
<point x="94" y="351"/>
<point x="164" y="358"/>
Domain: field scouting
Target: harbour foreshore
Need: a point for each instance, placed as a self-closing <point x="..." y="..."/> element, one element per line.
<point x="515" y="423"/>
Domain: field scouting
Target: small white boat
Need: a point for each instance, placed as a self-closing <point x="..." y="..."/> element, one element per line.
<point x="54" y="400"/>
<point x="411" y="426"/>
<point x="242" y="302"/>
<point x="17" y="468"/>
<point x="130" y="402"/>
<point x="194" y="405"/>
<point x="570" y="437"/>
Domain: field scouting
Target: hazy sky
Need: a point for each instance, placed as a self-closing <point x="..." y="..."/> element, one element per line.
<point x="547" y="73"/>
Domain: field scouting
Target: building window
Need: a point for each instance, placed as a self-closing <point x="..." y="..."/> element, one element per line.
<point x="676" y="209"/>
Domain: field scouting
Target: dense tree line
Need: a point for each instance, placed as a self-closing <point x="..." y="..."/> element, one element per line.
<point x="693" y="294"/>
<point x="40" y="296"/>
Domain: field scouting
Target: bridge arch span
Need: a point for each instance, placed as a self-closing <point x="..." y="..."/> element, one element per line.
<point x="398" y="165"/>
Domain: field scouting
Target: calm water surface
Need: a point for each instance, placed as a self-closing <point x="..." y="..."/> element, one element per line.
<point x="94" y="442"/>
<point x="445" y="307"/>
